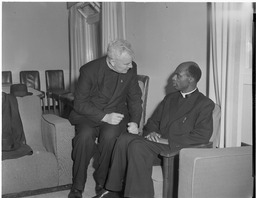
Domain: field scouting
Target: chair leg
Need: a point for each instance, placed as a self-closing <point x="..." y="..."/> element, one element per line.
<point x="54" y="105"/>
<point x="60" y="107"/>
<point x="43" y="105"/>
<point x="48" y="104"/>
<point x="167" y="175"/>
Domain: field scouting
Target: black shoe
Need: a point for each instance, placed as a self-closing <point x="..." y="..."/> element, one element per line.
<point x="98" y="189"/>
<point x="75" y="193"/>
<point x="108" y="194"/>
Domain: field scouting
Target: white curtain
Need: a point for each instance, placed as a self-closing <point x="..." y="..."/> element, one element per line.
<point x="83" y="43"/>
<point x="113" y="23"/>
<point x="230" y="31"/>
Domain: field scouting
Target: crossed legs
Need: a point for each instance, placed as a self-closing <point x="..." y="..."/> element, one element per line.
<point x="132" y="162"/>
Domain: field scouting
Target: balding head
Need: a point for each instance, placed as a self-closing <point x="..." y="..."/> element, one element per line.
<point x="186" y="76"/>
<point x="192" y="68"/>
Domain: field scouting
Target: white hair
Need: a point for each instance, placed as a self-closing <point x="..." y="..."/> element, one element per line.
<point x="117" y="47"/>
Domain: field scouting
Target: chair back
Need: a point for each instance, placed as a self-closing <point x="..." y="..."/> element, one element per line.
<point x="6" y="77"/>
<point x="31" y="119"/>
<point x="31" y="79"/>
<point x="54" y="79"/>
<point x="215" y="138"/>
<point x="143" y="83"/>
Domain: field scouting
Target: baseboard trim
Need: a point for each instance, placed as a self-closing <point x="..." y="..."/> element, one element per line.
<point x="38" y="191"/>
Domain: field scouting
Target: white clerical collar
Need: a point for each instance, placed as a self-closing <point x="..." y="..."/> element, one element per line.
<point x="184" y="94"/>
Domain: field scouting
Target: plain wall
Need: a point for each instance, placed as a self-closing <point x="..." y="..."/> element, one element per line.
<point x="163" y="35"/>
<point x="35" y="37"/>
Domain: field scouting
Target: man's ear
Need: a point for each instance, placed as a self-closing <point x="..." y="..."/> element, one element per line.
<point x="112" y="62"/>
<point x="191" y="79"/>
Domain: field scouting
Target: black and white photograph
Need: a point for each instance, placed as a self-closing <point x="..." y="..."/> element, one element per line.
<point x="128" y="99"/>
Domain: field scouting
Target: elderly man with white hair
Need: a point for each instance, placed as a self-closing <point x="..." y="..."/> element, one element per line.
<point x="107" y="103"/>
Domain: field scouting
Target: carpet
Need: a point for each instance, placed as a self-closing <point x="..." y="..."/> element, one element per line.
<point x="59" y="191"/>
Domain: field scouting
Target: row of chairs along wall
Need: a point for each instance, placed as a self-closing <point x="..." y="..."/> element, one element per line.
<point x="54" y="82"/>
<point x="54" y="79"/>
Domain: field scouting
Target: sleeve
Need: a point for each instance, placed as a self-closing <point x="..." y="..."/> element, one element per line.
<point x="82" y="102"/>
<point x="153" y="123"/>
<point x="202" y="128"/>
<point x="134" y="100"/>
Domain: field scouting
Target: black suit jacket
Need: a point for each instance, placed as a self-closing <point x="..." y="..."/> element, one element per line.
<point x="93" y="99"/>
<point x="13" y="137"/>
<point x="183" y="121"/>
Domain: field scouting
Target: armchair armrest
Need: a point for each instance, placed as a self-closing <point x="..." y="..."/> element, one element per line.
<point x="168" y="154"/>
<point x="170" y="164"/>
<point x="57" y="134"/>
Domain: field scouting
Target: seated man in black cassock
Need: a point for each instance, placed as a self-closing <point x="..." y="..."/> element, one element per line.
<point x="183" y="118"/>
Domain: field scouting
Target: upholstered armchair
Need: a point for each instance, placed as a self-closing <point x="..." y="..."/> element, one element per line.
<point x="50" y="165"/>
<point x="212" y="173"/>
<point x="167" y="174"/>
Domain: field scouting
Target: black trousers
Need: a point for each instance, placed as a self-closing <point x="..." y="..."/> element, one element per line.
<point x="84" y="148"/>
<point x="131" y="165"/>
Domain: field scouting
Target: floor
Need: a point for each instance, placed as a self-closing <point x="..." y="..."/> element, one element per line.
<point x="59" y="194"/>
<point x="89" y="190"/>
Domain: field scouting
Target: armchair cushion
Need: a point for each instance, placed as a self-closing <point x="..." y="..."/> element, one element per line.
<point x="29" y="172"/>
<point x="30" y="113"/>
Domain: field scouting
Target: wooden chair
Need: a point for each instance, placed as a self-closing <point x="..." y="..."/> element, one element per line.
<point x="6" y="77"/>
<point x="143" y="83"/>
<point x="32" y="79"/>
<point x="55" y="87"/>
<point x="170" y="160"/>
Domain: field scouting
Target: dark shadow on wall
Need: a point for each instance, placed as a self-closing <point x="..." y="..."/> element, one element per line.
<point x="169" y="87"/>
